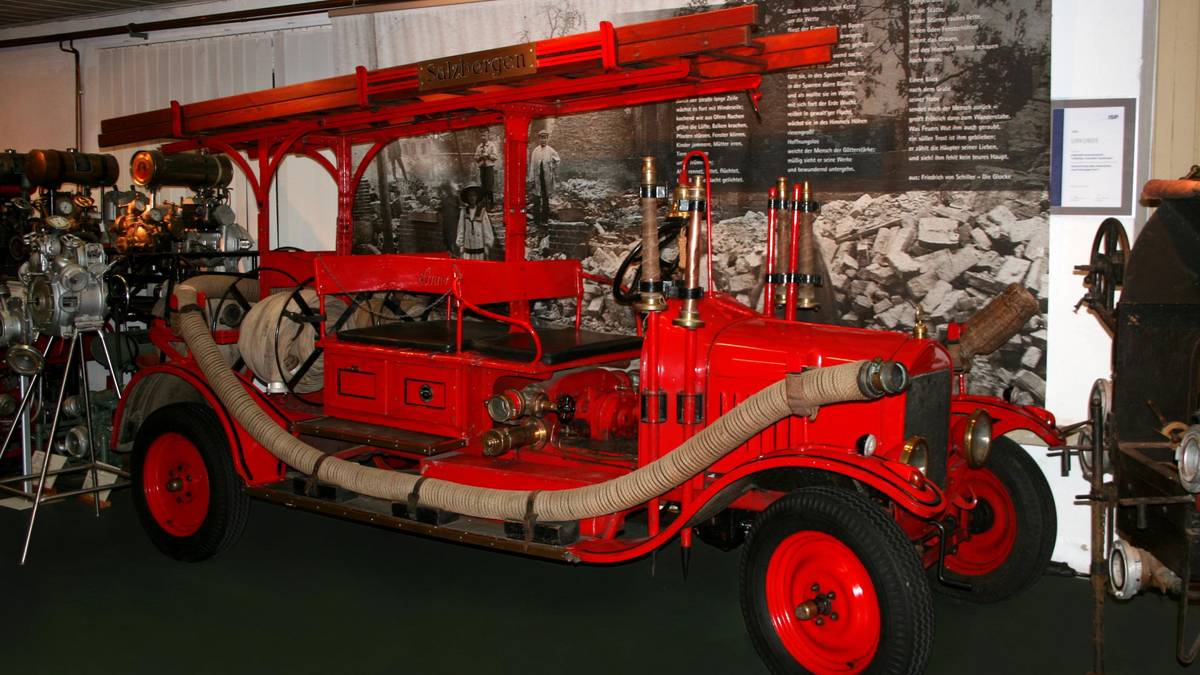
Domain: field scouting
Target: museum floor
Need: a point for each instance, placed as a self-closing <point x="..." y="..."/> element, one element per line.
<point x="305" y="594"/>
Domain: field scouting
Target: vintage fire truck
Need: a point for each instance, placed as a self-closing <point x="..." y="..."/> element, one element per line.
<point x="845" y="461"/>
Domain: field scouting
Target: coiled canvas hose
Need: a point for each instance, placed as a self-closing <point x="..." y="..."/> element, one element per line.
<point x="800" y="394"/>
<point x="270" y="341"/>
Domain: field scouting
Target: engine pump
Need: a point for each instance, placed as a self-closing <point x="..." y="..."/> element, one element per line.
<point x="204" y="223"/>
<point x="64" y="280"/>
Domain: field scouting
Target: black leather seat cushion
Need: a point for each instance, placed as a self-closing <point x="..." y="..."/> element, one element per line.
<point x="431" y="336"/>
<point x="559" y="345"/>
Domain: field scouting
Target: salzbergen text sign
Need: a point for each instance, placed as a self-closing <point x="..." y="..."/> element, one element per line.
<point x="476" y="67"/>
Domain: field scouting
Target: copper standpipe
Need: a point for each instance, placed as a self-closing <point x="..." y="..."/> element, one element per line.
<point x="689" y="313"/>
<point x="651" y="286"/>
<point x="806" y="277"/>
<point x="781" y="240"/>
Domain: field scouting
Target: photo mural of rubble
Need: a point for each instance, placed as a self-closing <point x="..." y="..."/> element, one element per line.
<point x="947" y="252"/>
<point x="925" y="141"/>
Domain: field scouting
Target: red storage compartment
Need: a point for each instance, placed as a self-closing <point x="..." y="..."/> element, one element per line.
<point x="355" y="384"/>
<point x="423" y="393"/>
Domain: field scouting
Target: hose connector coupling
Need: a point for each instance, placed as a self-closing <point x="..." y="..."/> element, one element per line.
<point x="879" y="378"/>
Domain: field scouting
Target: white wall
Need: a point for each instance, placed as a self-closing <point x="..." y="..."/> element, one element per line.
<point x="1096" y="52"/>
<point x="39" y="102"/>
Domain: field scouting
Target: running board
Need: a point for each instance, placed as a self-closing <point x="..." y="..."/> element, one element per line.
<point x="464" y="530"/>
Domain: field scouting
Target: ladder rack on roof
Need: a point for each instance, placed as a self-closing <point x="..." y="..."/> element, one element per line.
<point x="696" y="55"/>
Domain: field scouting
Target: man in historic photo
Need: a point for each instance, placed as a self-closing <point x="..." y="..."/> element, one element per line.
<point x="475" y="235"/>
<point x="543" y="171"/>
<point x="486" y="156"/>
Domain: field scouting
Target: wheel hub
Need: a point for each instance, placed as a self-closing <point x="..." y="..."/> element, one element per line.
<point x="822" y="603"/>
<point x="818" y="607"/>
<point x="176" y="484"/>
<point x="982" y="517"/>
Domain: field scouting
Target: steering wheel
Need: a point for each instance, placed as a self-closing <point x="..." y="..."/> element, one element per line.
<point x="668" y="233"/>
<point x="1106" y="267"/>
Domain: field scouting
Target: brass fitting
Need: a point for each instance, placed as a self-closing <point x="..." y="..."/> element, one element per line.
<point x="806" y="268"/>
<point x="689" y="313"/>
<point x="651" y="295"/>
<point x="511" y="404"/>
<point x="531" y="432"/>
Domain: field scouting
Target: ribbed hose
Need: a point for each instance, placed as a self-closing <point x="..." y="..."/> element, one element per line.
<point x="799" y="394"/>
<point x="994" y="325"/>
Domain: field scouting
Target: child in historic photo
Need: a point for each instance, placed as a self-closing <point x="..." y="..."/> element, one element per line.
<point x="475" y="235"/>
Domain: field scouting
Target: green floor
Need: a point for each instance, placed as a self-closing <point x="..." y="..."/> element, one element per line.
<point x="306" y="594"/>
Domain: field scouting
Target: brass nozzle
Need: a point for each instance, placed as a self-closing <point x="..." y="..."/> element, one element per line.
<point x="689" y="313"/>
<point x="649" y="172"/>
<point x="532" y="432"/>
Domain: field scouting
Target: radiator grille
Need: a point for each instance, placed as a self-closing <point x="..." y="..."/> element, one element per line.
<point x="927" y="414"/>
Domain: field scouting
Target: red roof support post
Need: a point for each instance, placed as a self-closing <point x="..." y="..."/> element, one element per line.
<point x="262" y="192"/>
<point x="346" y="187"/>
<point x="516" y="144"/>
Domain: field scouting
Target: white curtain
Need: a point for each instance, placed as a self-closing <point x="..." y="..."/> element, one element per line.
<point x="139" y="78"/>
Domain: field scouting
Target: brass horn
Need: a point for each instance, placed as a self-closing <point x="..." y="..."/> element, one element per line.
<point x="25" y="360"/>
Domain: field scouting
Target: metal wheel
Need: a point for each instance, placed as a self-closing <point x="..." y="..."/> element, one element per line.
<point x="1010" y="533"/>
<point x="830" y="584"/>
<point x="992" y="524"/>
<point x="822" y="602"/>
<point x="1106" y="267"/>
<point x="187" y="494"/>
<point x="1099" y="405"/>
<point x="175" y="484"/>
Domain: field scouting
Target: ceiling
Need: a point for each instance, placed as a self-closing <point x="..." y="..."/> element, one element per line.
<point x="16" y="12"/>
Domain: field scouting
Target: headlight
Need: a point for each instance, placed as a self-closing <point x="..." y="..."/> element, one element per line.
<point x="915" y="453"/>
<point x="977" y="439"/>
<point x="1187" y="457"/>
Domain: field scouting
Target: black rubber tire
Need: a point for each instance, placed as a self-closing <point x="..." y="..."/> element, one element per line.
<point x="228" y="504"/>
<point x="906" y="605"/>
<point x="1037" y="528"/>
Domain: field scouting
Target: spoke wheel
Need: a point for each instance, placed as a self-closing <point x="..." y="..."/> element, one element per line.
<point x="1011" y="531"/>
<point x="830" y="584"/>
<point x="187" y="494"/>
<point x="175" y="483"/>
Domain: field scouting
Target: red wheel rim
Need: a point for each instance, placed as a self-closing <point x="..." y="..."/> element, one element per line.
<point x="175" y="483"/>
<point x="992" y="525"/>
<point x="823" y="644"/>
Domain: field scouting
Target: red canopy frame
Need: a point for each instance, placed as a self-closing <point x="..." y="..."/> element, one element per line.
<point x="697" y="55"/>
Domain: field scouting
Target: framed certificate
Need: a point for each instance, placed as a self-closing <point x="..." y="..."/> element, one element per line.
<point x="1091" y="157"/>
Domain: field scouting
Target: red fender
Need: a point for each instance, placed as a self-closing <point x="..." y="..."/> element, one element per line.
<point x="1007" y="417"/>
<point x="901" y="483"/>
<point x="252" y="461"/>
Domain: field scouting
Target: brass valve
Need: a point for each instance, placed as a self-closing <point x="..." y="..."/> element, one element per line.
<point x="531" y="432"/>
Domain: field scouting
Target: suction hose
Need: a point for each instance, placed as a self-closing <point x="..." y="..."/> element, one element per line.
<point x="994" y="325"/>
<point x="799" y="394"/>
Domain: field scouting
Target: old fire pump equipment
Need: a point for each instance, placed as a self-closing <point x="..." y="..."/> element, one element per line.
<point x="1141" y="453"/>
<point x="850" y="465"/>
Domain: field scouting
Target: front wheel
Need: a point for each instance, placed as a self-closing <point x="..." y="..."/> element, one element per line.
<point x="1010" y="532"/>
<point x="830" y="584"/>
<point x="187" y="494"/>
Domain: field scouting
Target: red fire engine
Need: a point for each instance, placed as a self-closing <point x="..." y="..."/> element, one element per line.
<point x="844" y="458"/>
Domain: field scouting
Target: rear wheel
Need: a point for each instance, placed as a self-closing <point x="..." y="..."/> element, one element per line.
<point x="829" y="583"/>
<point x="1012" y="528"/>
<point x="187" y="494"/>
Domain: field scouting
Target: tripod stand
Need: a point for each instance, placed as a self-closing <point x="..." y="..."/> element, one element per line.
<point x="22" y="419"/>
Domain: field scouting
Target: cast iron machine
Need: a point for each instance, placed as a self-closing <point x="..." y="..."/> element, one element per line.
<point x="1143" y="422"/>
